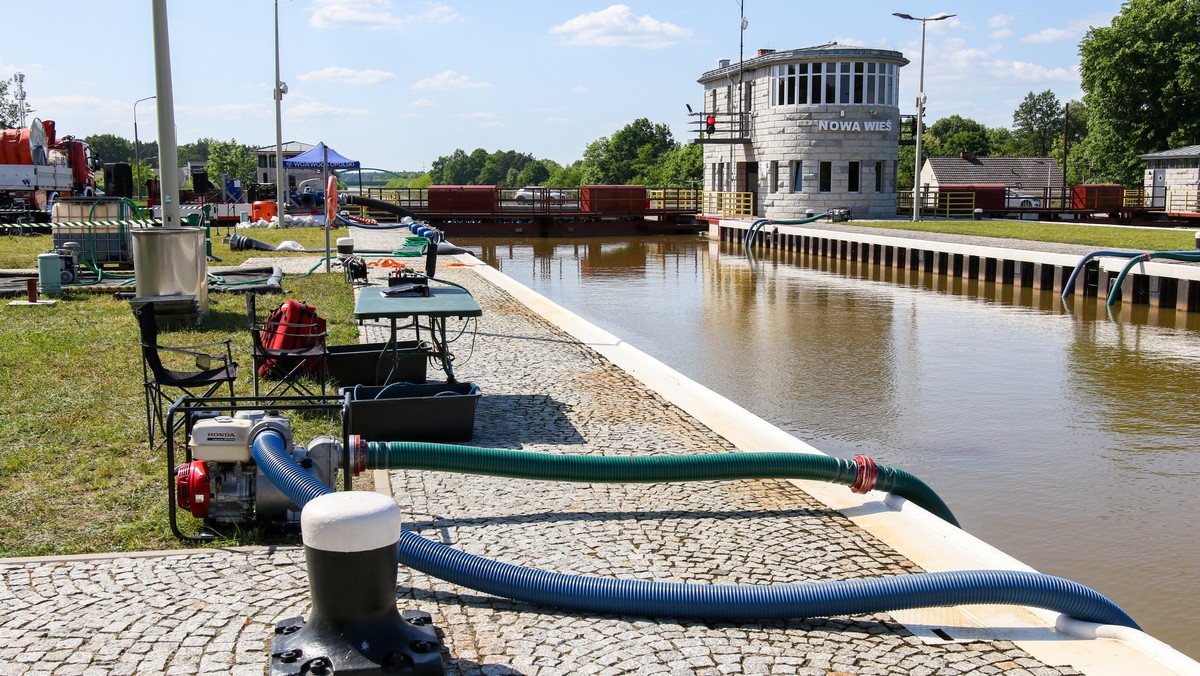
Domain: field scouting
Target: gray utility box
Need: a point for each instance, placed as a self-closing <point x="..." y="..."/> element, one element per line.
<point x="370" y="364"/>
<point x="411" y="412"/>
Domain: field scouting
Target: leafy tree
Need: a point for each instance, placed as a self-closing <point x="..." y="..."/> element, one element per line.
<point x="570" y="176"/>
<point x="196" y="152"/>
<point x="1002" y="142"/>
<point x="950" y="136"/>
<point x="1141" y="82"/>
<point x="232" y="159"/>
<point x="1037" y="123"/>
<point x="679" y="167"/>
<point x="110" y="148"/>
<point x="904" y="166"/>
<point x="534" y="173"/>
<point x="627" y="154"/>
<point x="9" y="115"/>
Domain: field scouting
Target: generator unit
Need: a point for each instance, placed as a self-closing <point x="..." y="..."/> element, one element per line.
<point x="222" y="485"/>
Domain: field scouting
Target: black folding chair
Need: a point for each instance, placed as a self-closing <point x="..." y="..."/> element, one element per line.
<point x="213" y="369"/>
<point x="304" y="356"/>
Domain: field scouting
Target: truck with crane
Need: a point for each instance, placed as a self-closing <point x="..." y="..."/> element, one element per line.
<point x="37" y="169"/>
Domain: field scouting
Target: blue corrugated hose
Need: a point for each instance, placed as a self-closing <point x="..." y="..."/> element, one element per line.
<point x="711" y="602"/>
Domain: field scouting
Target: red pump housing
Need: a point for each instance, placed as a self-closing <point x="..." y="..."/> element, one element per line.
<point x="193" y="491"/>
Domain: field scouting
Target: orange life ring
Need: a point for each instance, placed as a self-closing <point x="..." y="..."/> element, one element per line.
<point x="331" y="200"/>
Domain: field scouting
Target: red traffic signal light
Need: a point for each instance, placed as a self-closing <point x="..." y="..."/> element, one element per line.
<point x="710" y="123"/>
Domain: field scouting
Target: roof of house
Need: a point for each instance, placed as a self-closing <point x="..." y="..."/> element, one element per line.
<point x="1186" y="152"/>
<point x="289" y="148"/>
<point x="1028" y="172"/>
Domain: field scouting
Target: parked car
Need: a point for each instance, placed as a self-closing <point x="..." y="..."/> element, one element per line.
<point x="1019" y="199"/>
<point x="536" y="192"/>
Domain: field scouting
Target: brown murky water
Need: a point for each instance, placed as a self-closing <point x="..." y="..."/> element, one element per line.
<point x="1066" y="437"/>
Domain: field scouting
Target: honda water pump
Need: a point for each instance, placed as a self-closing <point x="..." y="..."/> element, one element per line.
<point x="222" y="484"/>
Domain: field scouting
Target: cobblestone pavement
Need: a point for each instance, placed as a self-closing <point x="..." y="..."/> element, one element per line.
<point x="211" y="611"/>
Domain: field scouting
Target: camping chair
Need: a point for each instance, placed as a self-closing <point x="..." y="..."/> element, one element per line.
<point x="214" y="369"/>
<point x="288" y="346"/>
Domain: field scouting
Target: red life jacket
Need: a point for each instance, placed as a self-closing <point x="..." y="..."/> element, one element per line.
<point x="291" y="326"/>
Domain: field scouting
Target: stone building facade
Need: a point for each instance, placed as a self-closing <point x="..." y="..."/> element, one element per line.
<point x="805" y="130"/>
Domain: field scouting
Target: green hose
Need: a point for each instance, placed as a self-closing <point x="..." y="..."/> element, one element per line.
<point x="647" y="468"/>
<point x="1185" y="256"/>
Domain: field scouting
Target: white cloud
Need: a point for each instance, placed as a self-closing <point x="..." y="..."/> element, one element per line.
<point x="349" y="75"/>
<point x="999" y="21"/>
<point x="449" y="79"/>
<point x="1002" y="34"/>
<point x="617" y="26"/>
<point x="579" y="89"/>
<point x="421" y="103"/>
<point x="373" y="15"/>
<point x="558" y="120"/>
<point x="1032" y="72"/>
<point x="1048" y="35"/>
<point x="316" y="109"/>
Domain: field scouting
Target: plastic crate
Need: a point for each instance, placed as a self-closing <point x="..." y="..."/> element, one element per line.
<point x="411" y="412"/>
<point x="368" y="364"/>
<point x="101" y="242"/>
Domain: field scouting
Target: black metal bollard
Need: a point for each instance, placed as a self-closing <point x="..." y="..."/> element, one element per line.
<point x="354" y="627"/>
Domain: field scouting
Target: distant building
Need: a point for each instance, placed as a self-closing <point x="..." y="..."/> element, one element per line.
<point x="266" y="163"/>
<point x="805" y="129"/>
<point x="1030" y="174"/>
<point x="1172" y="171"/>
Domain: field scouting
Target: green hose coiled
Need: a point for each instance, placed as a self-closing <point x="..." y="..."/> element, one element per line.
<point x="646" y="468"/>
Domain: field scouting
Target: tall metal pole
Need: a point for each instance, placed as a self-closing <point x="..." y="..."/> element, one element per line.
<point x="920" y="108"/>
<point x="920" y="114"/>
<point x="280" y="90"/>
<point x="168" y="149"/>
<point x="20" y="78"/>
<point x="137" y="160"/>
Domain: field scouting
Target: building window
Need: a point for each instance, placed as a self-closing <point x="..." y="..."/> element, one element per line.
<point x="826" y="180"/>
<point x="854" y="169"/>
<point x="774" y="178"/>
<point x="797" y="176"/>
<point x="879" y="176"/>
<point x="842" y="82"/>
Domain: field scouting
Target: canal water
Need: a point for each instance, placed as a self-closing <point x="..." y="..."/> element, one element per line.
<point x="1066" y="437"/>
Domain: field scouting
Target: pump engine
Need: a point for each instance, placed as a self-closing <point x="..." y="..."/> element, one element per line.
<point x="222" y="484"/>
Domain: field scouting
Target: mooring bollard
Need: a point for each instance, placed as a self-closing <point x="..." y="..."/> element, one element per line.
<point x="354" y="627"/>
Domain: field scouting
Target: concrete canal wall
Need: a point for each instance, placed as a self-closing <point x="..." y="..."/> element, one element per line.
<point x="1035" y="265"/>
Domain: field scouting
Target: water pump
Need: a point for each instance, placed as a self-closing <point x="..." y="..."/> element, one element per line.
<point x="222" y="485"/>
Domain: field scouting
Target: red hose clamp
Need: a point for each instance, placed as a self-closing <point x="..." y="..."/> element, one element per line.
<point x="358" y="448"/>
<point x="868" y="472"/>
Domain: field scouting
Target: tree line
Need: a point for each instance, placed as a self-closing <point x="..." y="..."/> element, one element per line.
<point x="640" y="153"/>
<point x="1139" y="76"/>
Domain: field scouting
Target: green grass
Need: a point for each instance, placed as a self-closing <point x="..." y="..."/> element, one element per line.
<point x="1099" y="236"/>
<point x="76" y="472"/>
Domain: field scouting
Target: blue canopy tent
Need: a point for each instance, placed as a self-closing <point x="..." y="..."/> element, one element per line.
<point x="324" y="158"/>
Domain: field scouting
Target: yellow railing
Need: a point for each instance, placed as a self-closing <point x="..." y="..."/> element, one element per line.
<point x="1187" y="201"/>
<point x="949" y="204"/>
<point x="727" y="204"/>
<point x="674" y="199"/>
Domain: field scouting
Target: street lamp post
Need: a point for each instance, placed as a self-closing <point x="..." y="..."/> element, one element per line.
<point x="280" y="90"/>
<point x="920" y="107"/>
<point x="137" y="160"/>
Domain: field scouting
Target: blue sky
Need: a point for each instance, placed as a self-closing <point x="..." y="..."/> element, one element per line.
<point x="397" y="83"/>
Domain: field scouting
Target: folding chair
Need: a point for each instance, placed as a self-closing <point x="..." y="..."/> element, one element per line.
<point x="289" y="346"/>
<point x="214" y="369"/>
